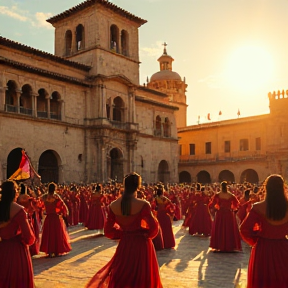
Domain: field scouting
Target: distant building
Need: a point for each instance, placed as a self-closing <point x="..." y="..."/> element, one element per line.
<point x="237" y="150"/>
<point x="81" y="114"/>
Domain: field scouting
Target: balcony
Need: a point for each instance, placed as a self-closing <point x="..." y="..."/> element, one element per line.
<point x="42" y="114"/>
<point x="216" y="159"/>
<point x="10" y="108"/>
<point x="26" y="111"/>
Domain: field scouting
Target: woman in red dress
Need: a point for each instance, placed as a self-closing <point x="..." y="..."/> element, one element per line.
<point x="164" y="217"/>
<point x="201" y="222"/>
<point x="266" y="230"/>
<point x="134" y="263"/>
<point x="225" y="236"/>
<point x="245" y="206"/>
<point x="15" y="235"/>
<point x="95" y="219"/>
<point x="55" y="239"/>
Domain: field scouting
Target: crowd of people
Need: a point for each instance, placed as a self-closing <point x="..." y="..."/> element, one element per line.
<point x="141" y="216"/>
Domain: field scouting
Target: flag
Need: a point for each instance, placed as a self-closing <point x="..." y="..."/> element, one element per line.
<point x="25" y="170"/>
<point x="238" y="113"/>
<point x="208" y="116"/>
<point x="220" y="113"/>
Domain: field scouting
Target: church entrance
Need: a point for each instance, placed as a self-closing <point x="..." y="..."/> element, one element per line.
<point x="48" y="167"/>
<point x="163" y="172"/>
<point x="116" y="157"/>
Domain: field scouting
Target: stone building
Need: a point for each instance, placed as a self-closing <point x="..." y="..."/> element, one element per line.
<point x="238" y="150"/>
<point x="81" y="114"/>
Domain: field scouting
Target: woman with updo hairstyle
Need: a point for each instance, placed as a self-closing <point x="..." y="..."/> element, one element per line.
<point x="265" y="229"/>
<point x="15" y="237"/>
<point x="164" y="218"/>
<point x="134" y="263"/>
<point x="95" y="219"/>
<point x="55" y="239"/>
<point x="225" y="236"/>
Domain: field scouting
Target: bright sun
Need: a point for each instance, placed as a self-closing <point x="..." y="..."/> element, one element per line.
<point x="249" y="67"/>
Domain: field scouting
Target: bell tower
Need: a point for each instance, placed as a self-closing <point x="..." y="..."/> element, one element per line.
<point x="170" y="83"/>
<point x="102" y="35"/>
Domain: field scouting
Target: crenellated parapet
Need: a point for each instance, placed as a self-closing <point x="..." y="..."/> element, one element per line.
<point x="278" y="101"/>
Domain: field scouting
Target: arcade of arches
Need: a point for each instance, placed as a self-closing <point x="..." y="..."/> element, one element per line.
<point x="248" y="175"/>
<point x="49" y="166"/>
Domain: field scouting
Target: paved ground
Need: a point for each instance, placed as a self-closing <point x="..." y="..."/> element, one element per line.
<point x="190" y="265"/>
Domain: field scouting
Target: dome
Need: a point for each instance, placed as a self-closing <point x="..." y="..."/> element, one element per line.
<point x="165" y="75"/>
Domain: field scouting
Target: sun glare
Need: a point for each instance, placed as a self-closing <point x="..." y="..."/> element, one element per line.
<point x="249" y="67"/>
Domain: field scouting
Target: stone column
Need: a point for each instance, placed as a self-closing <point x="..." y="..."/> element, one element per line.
<point x="47" y="97"/>
<point x="2" y="92"/>
<point x="34" y="104"/>
<point x="132" y="112"/>
<point x="101" y="94"/>
<point x="18" y="95"/>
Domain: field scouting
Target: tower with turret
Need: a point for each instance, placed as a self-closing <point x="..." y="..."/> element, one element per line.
<point x="169" y="82"/>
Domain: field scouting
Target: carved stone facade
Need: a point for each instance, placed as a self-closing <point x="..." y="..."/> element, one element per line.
<point x="81" y="114"/>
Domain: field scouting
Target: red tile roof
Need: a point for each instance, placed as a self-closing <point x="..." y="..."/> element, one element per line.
<point x="89" y="3"/>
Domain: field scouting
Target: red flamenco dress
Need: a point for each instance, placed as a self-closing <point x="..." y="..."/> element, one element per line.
<point x="225" y="235"/>
<point x="164" y="219"/>
<point x="95" y="218"/>
<point x="268" y="263"/>
<point x="55" y="239"/>
<point x="15" y="265"/>
<point x="201" y="222"/>
<point x="134" y="264"/>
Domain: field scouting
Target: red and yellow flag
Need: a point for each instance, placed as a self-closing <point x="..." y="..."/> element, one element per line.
<point x="23" y="172"/>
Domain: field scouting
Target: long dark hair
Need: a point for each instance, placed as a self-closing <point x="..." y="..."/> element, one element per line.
<point x="224" y="186"/>
<point x="276" y="201"/>
<point x="51" y="188"/>
<point x="132" y="182"/>
<point x="8" y="193"/>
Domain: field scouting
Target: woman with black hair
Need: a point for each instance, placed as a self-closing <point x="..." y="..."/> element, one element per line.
<point x="134" y="263"/>
<point x="95" y="219"/>
<point x="55" y="239"/>
<point x="225" y="236"/>
<point x="266" y="230"/>
<point x="15" y="236"/>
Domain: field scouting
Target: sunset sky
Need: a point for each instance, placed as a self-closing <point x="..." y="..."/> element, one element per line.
<point x="232" y="53"/>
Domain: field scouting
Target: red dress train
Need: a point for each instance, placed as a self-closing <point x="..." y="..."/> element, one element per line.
<point x="134" y="263"/>
<point x="95" y="219"/>
<point x="55" y="239"/>
<point x="268" y="265"/>
<point x="165" y="223"/>
<point x="225" y="235"/>
<point x="201" y="221"/>
<point x="15" y="265"/>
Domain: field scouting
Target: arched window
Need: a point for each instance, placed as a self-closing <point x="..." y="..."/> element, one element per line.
<point x="68" y="43"/>
<point x="80" y="37"/>
<point x="167" y="128"/>
<point x="11" y="96"/>
<point x="158" y="126"/>
<point x="118" y="109"/>
<point x="114" y="38"/>
<point x="55" y="106"/>
<point x="42" y="108"/>
<point x="124" y="43"/>
<point x="26" y="100"/>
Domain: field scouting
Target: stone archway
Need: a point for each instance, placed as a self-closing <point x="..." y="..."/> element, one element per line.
<point x="49" y="166"/>
<point x="249" y="175"/>
<point x="116" y="165"/>
<point x="203" y="177"/>
<point x="163" y="172"/>
<point x="185" y="177"/>
<point x="13" y="161"/>
<point x="226" y="175"/>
